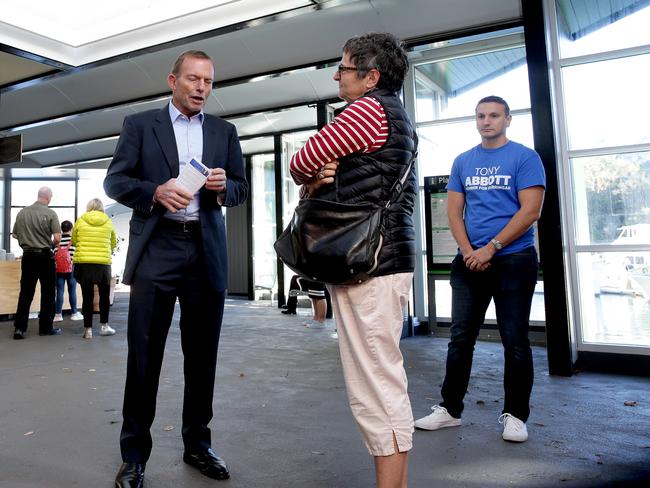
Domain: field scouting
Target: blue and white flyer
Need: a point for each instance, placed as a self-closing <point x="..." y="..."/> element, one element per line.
<point x="193" y="176"/>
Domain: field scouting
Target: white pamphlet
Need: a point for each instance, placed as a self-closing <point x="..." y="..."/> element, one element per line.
<point x="193" y="176"/>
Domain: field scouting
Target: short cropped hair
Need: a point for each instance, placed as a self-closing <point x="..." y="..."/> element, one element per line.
<point x="66" y="226"/>
<point x="188" y="54"/>
<point x="495" y="99"/>
<point x="95" y="204"/>
<point x="44" y="192"/>
<point x="381" y="51"/>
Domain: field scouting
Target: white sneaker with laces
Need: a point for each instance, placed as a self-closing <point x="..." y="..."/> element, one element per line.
<point x="77" y="316"/>
<point x="88" y="333"/>
<point x="106" y="330"/>
<point x="439" y="419"/>
<point x="58" y="318"/>
<point x="514" y="430"/>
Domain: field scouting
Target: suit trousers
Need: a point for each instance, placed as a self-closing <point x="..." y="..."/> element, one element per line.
<point x="36" y="266"/>
<point x="172" y="266"/>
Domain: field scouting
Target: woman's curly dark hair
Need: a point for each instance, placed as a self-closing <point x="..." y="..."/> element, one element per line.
<point x="381" y="51"/>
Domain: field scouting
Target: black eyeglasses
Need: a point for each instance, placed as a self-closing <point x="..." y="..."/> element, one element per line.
<point x="343" y="69"/>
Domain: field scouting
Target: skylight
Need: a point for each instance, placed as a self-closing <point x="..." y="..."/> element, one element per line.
<point x="80" y="31"/>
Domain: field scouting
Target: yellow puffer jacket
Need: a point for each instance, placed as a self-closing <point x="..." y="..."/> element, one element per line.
<point x="94" y="238"/>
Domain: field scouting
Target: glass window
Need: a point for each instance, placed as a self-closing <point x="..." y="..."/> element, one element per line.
<point x="441" y="143"/>
<point x="443" y="303"/>
<point x="588" y="27"/>
<point x="607" y="102"/>
<point x="451" y="88"/>
<point x="611" y="193"/>
<point x="60" y="172"/>
<point x="291" y="143"/>
<point x="91" y="185"/>
<point x="24" y="192"/>
<point x="614" y="295"/>
<point x="263" y="198"/>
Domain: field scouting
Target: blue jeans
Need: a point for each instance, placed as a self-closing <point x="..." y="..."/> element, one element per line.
<point x="510" y="280"/>
<point x="61" y="280"/>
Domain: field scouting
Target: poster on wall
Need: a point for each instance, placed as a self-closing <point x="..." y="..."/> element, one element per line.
<point x="441" y="246"/>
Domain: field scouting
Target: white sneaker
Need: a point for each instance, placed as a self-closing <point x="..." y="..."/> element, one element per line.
<point x="88" y="333"/>
<point x="58" y="318"/>
<point x="439" y="419"/>
<point x="77" y="316"/>
<point x="514" y="430"/>
<point x="106" y="330"/>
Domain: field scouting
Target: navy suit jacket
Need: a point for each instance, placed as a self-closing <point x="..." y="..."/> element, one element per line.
<point x="146" y="156"/>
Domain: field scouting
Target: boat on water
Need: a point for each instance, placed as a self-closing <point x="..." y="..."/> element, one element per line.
<point x="637" y="264"/>
<point x="626" y="273"/>
<point x="640" y="276"/>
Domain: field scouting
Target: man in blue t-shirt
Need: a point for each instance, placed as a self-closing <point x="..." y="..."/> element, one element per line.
<point x="495" y="195"/>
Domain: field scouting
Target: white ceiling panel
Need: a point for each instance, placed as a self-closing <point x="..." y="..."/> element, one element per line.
<point x="107" y="84"/>
<point x="97" y="149"/>
<point x="302" y="40"/>
<point x="257" y="145"/>
<point x="414" y="18"/>
<point x="276" y="121"/>
<point x="36" y="102"/>
<point x="97" y="124"/>
<point x="73" y="153"/>
<point x="50" y="135"/>
<point x="15" y="68"/>
<point x="275" y="92"/>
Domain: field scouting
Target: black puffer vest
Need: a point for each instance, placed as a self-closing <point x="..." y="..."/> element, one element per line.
<point x="369" y="178"/>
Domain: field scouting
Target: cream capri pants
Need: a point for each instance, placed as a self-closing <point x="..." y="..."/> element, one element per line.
<point x="369" y="324"/>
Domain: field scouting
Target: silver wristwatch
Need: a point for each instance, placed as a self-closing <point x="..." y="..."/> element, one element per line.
<point x="497" y="244"/>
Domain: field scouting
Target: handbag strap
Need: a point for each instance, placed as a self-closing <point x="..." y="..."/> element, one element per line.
<point x="398" y="186"/>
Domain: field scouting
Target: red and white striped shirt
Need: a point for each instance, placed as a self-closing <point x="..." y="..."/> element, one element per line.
<point x="361" y="127"/>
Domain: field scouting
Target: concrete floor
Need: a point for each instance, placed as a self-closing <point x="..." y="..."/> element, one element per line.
<point x="282" y="420"/>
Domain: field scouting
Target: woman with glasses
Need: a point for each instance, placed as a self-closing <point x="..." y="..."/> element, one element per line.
<point x="357" y="158"/>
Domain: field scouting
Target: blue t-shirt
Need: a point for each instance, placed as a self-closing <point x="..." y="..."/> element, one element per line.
<point x="491" y="180"/>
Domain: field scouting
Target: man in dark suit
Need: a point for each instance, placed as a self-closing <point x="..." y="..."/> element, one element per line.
<point x="177" y="249"/>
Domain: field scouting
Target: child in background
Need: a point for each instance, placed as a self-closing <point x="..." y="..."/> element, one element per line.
<point x="63" y="258"/>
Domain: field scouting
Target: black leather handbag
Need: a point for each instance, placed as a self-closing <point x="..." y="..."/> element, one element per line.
<point x="336" y="243"/>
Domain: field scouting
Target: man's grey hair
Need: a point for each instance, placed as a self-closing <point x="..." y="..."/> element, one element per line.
<point x="44" y="193"/>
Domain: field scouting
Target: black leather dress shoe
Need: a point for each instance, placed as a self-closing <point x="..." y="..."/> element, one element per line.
<point x="19" y="334"/>
<point x="130" y="475"/>
<point x="53" y="331"/>
<point x="288" y="312"/>
<point x="208" y="463"/>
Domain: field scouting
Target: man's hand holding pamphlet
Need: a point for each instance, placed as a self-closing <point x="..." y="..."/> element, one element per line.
<point x="193" y="176"/>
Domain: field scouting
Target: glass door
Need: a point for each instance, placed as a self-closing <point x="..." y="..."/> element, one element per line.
<point x="291" y="143"/>
<point x="263" y="200"/>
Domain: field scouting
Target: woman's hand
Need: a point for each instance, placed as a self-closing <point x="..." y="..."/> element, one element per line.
<point x="325" y="176"/>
